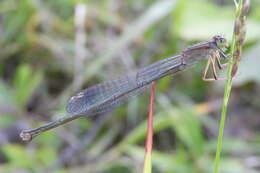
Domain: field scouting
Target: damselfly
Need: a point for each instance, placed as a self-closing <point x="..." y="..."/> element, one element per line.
<point x="107" y="96"/>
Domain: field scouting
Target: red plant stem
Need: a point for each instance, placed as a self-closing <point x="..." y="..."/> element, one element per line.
<point x="149" y="139"/>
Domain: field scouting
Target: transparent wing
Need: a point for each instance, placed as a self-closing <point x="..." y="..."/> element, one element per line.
<point x="107" y="96"/>
<point x="99" y="93"/>
<point x="117" y="102"/>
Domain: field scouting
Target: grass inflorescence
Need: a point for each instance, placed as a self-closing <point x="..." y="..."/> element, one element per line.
<point x="238" y="39"/>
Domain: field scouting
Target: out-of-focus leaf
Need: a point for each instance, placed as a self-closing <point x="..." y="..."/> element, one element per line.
<point x="202" y="19"/>
<point x="160" y="122"/>
<point x="166" y="162"/>
<point x="233" y="145"/>
<point x="186" y="125"/>
<point x="228" y="165"/>
<point x="49" y="138"/>
<point x="249" y="69"/>
<point x="6" y="94"/>
<point x="256" y="11"/>
<point x="103" y="142"/>
<point x="47" y="155"/>
<point x="25" y="82"/>
<point x="17" y="156"/>
<point x="5" y="121"/>
<point x="188" y="129"/>
<point x="117" y="168"/>
<point x="6" y="6"/>
<point x="153" y="14"/>
<point x="15" y="21"/>
<point x="60" y="171"/>
<point x="178" y="17"/>
<point x="63" y="8"/>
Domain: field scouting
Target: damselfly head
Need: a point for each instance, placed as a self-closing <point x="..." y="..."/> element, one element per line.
<point x="220" y="41"/>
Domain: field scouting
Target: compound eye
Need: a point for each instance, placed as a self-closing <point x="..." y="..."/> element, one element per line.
<point x="222" y="40"/>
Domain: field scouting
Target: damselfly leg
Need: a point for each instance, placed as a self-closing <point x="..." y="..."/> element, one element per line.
<point x="220" y="65"/>
<point x="212" y="62"/>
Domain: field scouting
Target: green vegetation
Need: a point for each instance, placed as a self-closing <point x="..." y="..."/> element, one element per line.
<point x="43" y="63"/>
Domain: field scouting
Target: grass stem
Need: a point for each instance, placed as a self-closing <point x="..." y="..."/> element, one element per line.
<point x="149" y="138"/>
<point x="236" y="47"/>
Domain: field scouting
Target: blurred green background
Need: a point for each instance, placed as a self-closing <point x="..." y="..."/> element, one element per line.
<point x="49" y="50"/>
